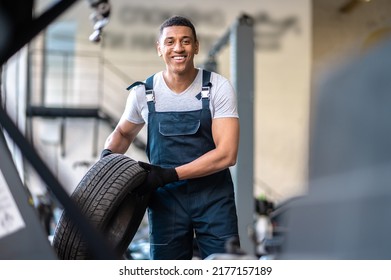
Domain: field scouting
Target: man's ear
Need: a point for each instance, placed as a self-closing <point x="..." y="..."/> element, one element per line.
<point x="197" y="47"/>
<point x="159" y="53"/>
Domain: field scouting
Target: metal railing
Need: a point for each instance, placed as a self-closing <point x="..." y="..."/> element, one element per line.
<point x="65" y="84"/>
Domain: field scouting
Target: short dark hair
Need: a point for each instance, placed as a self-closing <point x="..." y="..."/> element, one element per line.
<point x="178" y="21"/>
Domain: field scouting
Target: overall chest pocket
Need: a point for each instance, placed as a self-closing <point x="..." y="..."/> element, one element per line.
<point x="179" y="128"/>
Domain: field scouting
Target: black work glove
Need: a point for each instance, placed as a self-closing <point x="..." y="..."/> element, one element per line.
<point x="105" y="152"/>
<point x="157" y="177"/>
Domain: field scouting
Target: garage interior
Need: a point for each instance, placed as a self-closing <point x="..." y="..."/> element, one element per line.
<point x="65" y="93"/>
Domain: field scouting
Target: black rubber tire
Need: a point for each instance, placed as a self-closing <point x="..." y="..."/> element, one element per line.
<point x="105" y="197"/>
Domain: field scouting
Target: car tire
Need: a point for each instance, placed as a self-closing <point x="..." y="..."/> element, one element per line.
<point x="105" y="197"/>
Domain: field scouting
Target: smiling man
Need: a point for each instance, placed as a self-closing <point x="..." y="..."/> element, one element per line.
<point x="193" y="136"/>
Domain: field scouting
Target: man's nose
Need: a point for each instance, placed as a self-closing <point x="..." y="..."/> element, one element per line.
<point x="178" y="46"/>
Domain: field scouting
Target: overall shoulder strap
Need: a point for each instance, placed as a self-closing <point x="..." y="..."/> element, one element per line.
<point x="206" y="78"/>
<point x="149" y="93"/>
<point x="206" y="84"/>
<point x="134" y="85"/>
<point x="205" y="90"/>
<point x="148" y="84"/>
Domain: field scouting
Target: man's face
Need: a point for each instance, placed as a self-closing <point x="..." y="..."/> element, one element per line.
<point x="178" y="47"/>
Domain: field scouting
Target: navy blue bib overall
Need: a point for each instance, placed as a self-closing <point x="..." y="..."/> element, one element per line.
<point x="204" y="207"/>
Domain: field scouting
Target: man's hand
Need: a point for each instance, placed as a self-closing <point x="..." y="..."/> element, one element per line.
<point x="157" y="177"/>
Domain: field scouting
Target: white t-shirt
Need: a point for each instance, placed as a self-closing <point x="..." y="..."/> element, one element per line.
<point x="223" y="100"/>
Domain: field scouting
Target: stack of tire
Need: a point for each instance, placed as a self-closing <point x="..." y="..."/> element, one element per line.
<point x="105" y="196"/>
